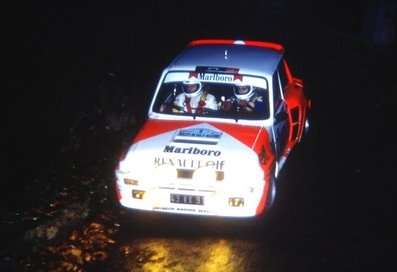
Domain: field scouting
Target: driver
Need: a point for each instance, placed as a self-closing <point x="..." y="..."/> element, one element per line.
<point x="194" y="99"/>
<point x="245" y="99"/>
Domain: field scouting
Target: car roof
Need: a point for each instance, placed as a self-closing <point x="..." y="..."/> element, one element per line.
<point x="249" y="57"/>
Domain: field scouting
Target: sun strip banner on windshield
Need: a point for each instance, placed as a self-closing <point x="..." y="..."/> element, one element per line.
<point x="215" y="77"/>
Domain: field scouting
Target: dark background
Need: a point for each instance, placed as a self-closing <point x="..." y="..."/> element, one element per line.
<point x="57" y="53"/>
<point x="63" y="60"/>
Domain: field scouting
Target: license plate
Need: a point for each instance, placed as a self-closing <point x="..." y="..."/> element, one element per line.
<point x="187" y="199"/>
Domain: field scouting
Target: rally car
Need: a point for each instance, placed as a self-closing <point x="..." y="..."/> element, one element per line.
<point x="223" y="119"/>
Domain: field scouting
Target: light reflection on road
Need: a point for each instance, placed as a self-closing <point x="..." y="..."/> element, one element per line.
<point x="167" y="254"/>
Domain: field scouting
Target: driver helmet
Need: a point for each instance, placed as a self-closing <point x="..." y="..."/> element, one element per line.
<point x="192" y="88"/>
<point x="243" y="92"/>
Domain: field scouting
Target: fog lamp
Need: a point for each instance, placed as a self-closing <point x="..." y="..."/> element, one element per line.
<point x="138" y="194"/>
<point x="236" y="201"/>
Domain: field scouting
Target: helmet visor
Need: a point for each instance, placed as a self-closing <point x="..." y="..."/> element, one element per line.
<point x="243" y="89"/>
<point x="190" y="87"/>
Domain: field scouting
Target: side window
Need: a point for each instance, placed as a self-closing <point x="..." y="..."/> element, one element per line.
<point x="276" y="90"/>
<point x="283" y="75"/>
<point x="165" y="97"/>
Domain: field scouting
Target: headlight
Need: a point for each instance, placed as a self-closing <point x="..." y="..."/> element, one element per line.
<point x="165" y="172"/>
<point x="204" y="174"/>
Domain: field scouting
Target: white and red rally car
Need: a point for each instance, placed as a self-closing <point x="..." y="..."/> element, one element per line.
<point x="219" y="155"/>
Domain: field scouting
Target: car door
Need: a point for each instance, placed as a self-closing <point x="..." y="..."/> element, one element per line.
<point x="281" y="121"/>
<point x="297" y="105"/>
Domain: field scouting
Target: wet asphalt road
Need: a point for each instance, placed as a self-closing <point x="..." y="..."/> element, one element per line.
<point x="335" y="204"/>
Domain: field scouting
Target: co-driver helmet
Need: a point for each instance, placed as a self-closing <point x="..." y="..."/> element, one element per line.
<point x="243" y="92"/>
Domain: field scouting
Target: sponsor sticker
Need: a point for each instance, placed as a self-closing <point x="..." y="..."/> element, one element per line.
<point x="191" y="150"/>
<point x="190" y="164"/>
<point x="197" y="136"/>
<point x="215" y="77"/>
<point x="263" y="155"/>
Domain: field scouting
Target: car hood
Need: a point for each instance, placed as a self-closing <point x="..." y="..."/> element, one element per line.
<point x="167" y="130"/>
<point x="192" y="144"/>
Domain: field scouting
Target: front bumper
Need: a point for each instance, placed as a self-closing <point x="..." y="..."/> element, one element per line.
<point x="226" y="198"/>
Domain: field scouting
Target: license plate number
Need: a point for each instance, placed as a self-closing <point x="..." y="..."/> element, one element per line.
<point x="187" y="199"/>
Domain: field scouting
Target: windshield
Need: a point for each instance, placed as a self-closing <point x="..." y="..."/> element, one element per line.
<point x="215" y="96"/>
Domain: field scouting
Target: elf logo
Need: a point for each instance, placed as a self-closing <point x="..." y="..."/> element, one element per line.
<point x="191" y="150"/>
